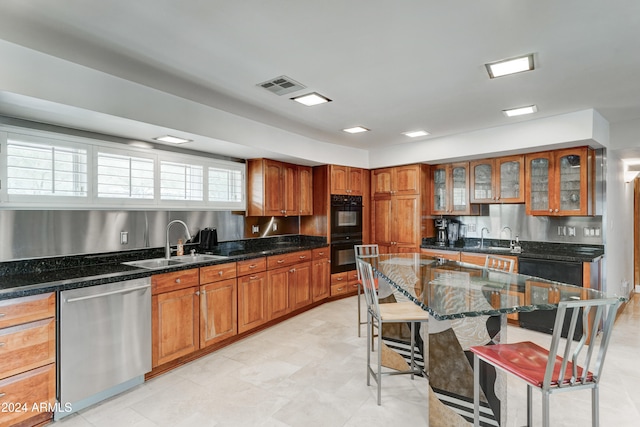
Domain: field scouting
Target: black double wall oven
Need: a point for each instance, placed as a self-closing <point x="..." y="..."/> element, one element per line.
<point x="346" y="231"/>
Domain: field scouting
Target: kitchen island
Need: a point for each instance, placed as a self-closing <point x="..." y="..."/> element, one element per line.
<point x="467" y="306"/>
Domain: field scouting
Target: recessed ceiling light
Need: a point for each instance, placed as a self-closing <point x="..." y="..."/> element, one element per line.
<point x="510" y="66"/>
<point x="416" y="133"/>
<point x="310" y="99"/>
<point x="356" y="129"/>
<point x="520" y="111"/>
<point x="172" y="139"/>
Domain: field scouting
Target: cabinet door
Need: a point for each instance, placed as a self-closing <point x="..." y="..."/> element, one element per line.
<point x="175" y="324"/>
<point x="482" y="185"/>
<point x="321" y="279"/>
<point x="382" y="220"/>
<point x="339" y="179"/>
<point x="406" y="223"/>
<point x="406" y="180"/>
<point x="35" y="389"/>
<point x="278" y="291"/>
<point x="439" y="189"/>
<point x="459" y="189"/>
<point x="305" y="190"/>
<point x="273" y="189"/>
<point x="509" y="184"/>
<point x="538" y="179"/>
<point x="354" y="186"/>
<point x="252" y="301"/>
<point x="290" y="187"/>
<point x="300" y="285"/>
<point x="218" y="312"/>
<point x="572" y="186"/>
<point x="381" y="181"/>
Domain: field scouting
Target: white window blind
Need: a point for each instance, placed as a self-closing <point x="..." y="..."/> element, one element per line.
<point x="225" y="185"/>
<point x="45" y="169"/>
<point x="181" y="181"/>
<point x="124" y="176"/>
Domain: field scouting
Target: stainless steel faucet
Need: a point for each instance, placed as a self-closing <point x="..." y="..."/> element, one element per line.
<point x="510" y="232"/>
<point x="482" y="236"/>
<point x="167" y="248"/>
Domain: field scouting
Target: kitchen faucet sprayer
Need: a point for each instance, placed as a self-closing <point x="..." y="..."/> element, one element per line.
<point x="167" y="248"/>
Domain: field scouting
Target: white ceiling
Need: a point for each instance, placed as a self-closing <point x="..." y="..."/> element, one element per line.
<point x="391" y="66"/>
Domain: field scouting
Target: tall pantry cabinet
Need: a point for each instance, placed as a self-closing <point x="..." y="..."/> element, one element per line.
<point x="400" y="207"/>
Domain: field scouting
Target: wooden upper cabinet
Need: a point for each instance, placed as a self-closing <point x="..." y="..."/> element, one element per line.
<point x="397" y="180"/>
<point x="499" y="180"/>
<point x="346" y="180"/>
<point x="450" y="190"/>
<point x="560" y="183"/>
<point x="279" y="189"/>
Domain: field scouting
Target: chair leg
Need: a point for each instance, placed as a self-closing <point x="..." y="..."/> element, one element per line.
<point x="359" y="315"/>
<point x="379" y="363"/>
<point x="369" y="338"/>
<point x="529" y="406"/>
<point x="476" y="390"/>
<point x="413" y="339"/>
<point x="595" y="406"/>
<point x="545" y="409"/>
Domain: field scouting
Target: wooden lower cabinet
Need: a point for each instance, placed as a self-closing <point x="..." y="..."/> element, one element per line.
<point x="175" y="324"/>
<point x="320" y="275"/>
<point x="278" y="289"/>
<point x="252" y="301"/>
<point x="218" y="311"/>
<point x="344" y="283"/>
<point x="300" y="285"/>
<point x="27" y="360"/>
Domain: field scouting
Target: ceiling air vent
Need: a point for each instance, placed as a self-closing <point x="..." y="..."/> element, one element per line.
<point x="282" y="85"/>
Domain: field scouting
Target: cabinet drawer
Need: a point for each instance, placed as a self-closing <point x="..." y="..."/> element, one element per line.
<point x="214" y="273"/>
<point x="251" y="266"/>
<point x="166" y="282"/>
<point x="27" y="346"/>
<point x="275" y="261"/>
<point x="29" y="390"/>
<point x="352" y="277"/>
<point x="27" y="309"/>
<point x="339" y="278"/>
<point x="442" y="253"/>
<point x="320" y="253"/>
<point x="340" y="288"/>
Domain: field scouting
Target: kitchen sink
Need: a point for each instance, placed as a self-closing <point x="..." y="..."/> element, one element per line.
<point x="154" y="263"/>
<point x="176" y="260"/>
<point x="198" y="258"/>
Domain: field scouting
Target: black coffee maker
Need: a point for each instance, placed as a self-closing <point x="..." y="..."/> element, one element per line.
<point x="441" y="231"/>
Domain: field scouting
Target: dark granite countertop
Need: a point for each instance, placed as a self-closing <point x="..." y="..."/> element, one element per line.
<point x="532" y="250"/>
<point x="35" y="276"/>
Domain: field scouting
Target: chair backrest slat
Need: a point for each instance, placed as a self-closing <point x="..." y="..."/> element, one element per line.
<point x="499" y="263"/>
<point x="590" y="350"/>
<point x="364" y="251"/>
<point x="368" y="285"/>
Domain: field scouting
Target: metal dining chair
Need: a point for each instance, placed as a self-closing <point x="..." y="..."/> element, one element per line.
<point x="568" y="365"/>
<point x="399" y="312"/>
<point x="499" y="263"/>
<point x="363" y="251"/>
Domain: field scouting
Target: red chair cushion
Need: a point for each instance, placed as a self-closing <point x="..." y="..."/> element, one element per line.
<point x="525" y="360"/>
<point x="375" y="283"/>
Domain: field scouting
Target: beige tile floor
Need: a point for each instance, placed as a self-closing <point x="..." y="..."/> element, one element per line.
<point x="310" y="371"/>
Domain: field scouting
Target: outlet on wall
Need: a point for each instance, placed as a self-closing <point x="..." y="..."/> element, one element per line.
<point x="124" y="237"/>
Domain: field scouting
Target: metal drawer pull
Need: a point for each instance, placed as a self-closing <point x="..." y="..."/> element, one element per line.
<point x="120" y="291"/>
<point x="178" y="280"/>
<point x="253" y="266"/>
<point x="220" y="272"/>
<point x="2" y="344"/>
<point x="280" y="261"/>
<point x="253" y="277"/>
<point x="2" y="314"/>
<point x="303" y="256"/>
<point x="2" y="394"/>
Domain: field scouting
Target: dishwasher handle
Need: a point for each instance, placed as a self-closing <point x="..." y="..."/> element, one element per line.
<point x="104" y="294"/>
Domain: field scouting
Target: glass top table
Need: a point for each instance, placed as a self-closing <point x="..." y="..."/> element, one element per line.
<point x="468" y="305"/>
<point x="451" y="290"/>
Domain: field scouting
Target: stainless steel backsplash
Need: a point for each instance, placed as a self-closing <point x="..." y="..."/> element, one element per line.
<point x="38" y="233"/>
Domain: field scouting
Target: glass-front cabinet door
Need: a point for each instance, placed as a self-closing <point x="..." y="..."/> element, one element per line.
<point x="482" y="181"/>
<point x="459" y="188"/>
<point x="510" y="179"/>
<point x="572" y="181"/>
<point x="539" y="176"/>
<point x="439" y="187"/>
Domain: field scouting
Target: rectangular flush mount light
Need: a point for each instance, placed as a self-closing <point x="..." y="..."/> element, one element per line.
<point x="510" y="66"/>
<point x="356" y="129"/>
<point x="172" y="139"/>
<point x="530" y="109"/>
<point x="310" y="99"/>
<point x="416" y="133"/>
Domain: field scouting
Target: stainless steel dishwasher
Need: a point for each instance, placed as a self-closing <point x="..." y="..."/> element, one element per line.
<point x="105" y="341"/>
